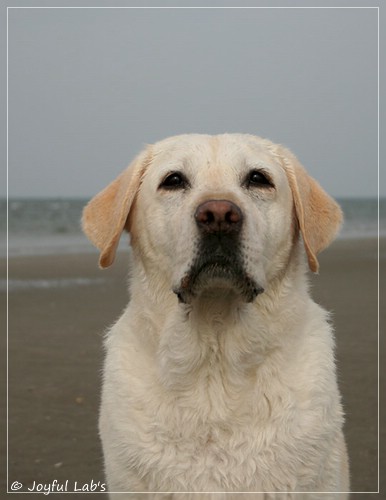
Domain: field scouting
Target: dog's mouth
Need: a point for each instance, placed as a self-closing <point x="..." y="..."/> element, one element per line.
<point x="216" y="274"/>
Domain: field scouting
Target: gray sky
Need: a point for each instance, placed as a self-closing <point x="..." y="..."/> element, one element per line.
<point x="89" y="87"/>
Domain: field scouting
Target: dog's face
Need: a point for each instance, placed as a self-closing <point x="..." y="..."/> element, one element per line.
<point x="213" y="213"/>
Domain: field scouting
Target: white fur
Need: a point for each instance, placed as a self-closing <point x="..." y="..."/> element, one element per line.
<point x="220" y="395"/>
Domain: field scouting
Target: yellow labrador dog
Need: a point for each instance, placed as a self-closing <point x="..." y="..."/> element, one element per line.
<point x="220" y="374"/>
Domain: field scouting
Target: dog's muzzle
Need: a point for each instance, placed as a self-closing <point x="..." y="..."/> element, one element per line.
<point x="218" y="262"/>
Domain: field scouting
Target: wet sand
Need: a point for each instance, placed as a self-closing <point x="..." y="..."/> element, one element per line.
<point x="59" y="307"/>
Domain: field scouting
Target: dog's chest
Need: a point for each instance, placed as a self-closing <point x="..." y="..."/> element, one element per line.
<point x="213" y="437"/>
<point x="209" y="423"/>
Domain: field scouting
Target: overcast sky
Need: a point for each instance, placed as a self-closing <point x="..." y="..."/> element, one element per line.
<point x="89" y="87"/>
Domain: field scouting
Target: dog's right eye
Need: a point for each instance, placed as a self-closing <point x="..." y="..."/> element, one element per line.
<point x="174" y="180"/>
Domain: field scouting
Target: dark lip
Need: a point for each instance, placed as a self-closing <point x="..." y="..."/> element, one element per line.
<point x="219" y="259"/>
<point x="216" y="265"/>
<point x="205" y="270"/>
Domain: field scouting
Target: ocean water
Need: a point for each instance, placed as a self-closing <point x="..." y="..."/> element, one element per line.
<point x="41" y="227"/>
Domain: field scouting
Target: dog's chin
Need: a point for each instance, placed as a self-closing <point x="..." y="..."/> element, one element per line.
<point x="217" y="279"/>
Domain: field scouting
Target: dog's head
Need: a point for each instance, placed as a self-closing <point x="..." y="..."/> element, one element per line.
<point x="213" y="213"/>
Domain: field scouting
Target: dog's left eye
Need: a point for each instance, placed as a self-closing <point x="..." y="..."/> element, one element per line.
<point x="257" y="178"/>
<point x="174" y="180"/>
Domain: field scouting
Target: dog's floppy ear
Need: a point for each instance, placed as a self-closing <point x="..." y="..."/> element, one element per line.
<point x="319" y="216"/>
<point x="104" y="217"/>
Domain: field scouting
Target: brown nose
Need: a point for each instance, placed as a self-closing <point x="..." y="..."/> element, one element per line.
<point x="218" y="215"/>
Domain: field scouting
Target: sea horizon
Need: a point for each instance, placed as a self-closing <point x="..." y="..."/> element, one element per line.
<point x="51" y="225"/>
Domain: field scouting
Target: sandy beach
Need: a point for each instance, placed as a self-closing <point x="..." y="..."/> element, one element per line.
<point x="59" y="308"/>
